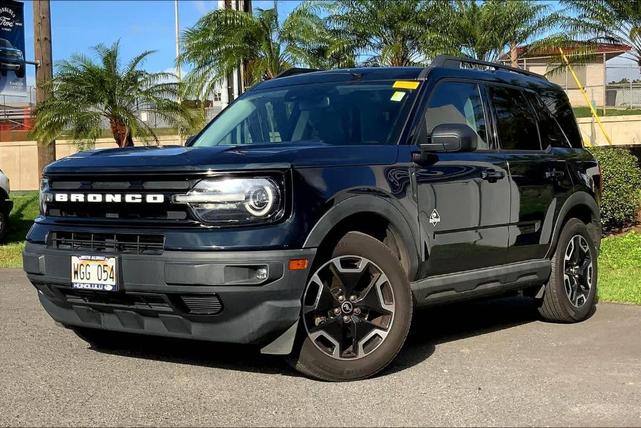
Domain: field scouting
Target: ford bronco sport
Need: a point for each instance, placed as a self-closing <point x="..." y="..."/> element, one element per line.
<point x="319" y="209"/>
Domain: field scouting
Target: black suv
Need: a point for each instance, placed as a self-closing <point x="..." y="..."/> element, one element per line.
<point x="319" y="209"/>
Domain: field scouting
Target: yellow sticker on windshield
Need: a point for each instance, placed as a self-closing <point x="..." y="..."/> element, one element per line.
<point x="405" y="84"/>
<point x="397" y="96"/>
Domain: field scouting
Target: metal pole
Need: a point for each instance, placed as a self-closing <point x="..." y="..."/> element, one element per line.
<point x="44" y="71"/>
<point x="178" y="72"/>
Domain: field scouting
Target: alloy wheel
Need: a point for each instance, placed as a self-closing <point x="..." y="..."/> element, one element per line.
<point x="348" y="307"/>
<point x="578" y="270"/>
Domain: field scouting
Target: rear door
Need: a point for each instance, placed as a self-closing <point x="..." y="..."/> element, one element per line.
<point x="537" y="175"/>
<point x="463" y="197"/>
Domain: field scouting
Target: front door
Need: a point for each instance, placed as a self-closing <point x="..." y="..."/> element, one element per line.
<point x="463" y="198"/>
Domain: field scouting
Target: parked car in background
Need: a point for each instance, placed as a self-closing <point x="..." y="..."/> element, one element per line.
<point x="319" y="209"/>
<point x="11" y="59"/>
<point x="5" y="205"/>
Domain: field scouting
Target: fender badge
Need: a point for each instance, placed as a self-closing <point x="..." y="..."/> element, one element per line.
<point x="435" y="218"/>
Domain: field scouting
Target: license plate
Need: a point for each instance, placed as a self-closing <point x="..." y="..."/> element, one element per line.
<point x="94" y="273"/>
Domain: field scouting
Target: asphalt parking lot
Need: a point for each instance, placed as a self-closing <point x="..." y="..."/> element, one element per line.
<point x="490" y="363"/>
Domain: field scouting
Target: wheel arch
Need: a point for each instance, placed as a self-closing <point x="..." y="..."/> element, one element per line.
<point x="583" y="206"/>
<point x="373" y="216"/>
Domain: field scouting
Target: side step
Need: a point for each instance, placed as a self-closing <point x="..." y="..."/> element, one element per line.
<point x="480" y="282"/>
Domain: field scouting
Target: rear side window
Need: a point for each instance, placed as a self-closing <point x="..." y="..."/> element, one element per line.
<point x="559" y="106"/>
<point x="549" y="129"/>
<point x="515" y="120"/>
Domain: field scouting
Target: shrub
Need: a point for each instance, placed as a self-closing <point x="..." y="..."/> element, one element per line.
<point x="621" y="185"/>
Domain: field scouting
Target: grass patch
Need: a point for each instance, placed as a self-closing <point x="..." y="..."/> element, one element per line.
<point x="620" y="268"/>
<point x="25" y="209"/>
<point x="619" y="263"/>
<point x="585" y="111"/>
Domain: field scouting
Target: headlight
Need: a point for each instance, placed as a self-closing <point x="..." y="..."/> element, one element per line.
<point x="45" y="196"/>
<point x="235" y="200"/>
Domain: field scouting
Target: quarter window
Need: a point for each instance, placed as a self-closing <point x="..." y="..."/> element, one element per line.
<point x="515" y="120"/>
<point x="457" y="102"/>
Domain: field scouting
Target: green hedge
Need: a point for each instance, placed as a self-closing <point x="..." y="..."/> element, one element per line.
<point x="621" y="186"/>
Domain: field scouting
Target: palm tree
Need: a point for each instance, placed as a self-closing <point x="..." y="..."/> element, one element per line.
<point x="400" y="33"/>
<point x="484" y="30"/>
<point x="85" y="92"/>
<point x="223" y="39"/>
<point x="608" y="22"/>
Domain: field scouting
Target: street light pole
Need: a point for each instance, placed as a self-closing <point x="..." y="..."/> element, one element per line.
<point x="178" y="72"/>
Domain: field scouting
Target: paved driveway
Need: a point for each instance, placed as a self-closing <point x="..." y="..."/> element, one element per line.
<point x="488" y="363"/>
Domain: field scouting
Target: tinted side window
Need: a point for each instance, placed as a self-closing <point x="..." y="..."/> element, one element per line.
<point x="549" y="129"/>
<point x="558" y="104"/>
<point x="457" y="102"/>
<point x="515" y="120"/>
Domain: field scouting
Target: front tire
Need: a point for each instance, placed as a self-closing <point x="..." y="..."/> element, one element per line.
<point x="4" y="225"/>
<point x="570" y="295"/>
<point x="357" y="311"/>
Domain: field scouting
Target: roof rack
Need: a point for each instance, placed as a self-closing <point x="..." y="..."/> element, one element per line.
<point x="447" y="61"/>
<point x="295" y="70"/>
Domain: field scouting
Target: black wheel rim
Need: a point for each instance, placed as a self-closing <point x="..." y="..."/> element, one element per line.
<point x="578" y="271"/>
<point x="348" y="307"/>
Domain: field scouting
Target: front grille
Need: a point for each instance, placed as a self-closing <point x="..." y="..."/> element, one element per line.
<point x="149" y="302"/>
<point x="117" y="243"/>
<point x="202" y="305"/>
<point x="103" y="209"/>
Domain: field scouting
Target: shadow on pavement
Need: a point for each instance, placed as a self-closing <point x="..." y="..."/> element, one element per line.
<point x="431" y="327"/>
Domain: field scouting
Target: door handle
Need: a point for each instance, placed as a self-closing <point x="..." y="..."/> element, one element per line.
<point x="492" y="174"/>
<point x="554" y="174"/>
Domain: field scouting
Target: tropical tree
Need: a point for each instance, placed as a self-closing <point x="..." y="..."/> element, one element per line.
<point x="401" y="33"/>
<point x="608" y="22"/>
<point x="485" y="30"/>
<point x="85" y="92"/>
<point x="223" y="39"/>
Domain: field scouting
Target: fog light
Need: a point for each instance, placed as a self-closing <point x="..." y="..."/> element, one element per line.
<point x="261" y="274"/>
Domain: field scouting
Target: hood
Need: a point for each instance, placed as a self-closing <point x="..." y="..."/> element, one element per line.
<point x="222" y="158"/>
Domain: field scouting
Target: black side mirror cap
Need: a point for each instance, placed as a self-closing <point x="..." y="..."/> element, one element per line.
<point x="451" y="137"/>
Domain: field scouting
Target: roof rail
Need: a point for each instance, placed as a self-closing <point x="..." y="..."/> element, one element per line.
<point x="295" y="70"/>
<point x="447" y="61"/>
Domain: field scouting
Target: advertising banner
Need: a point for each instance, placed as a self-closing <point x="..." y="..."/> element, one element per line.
<point x="12" y="55"/>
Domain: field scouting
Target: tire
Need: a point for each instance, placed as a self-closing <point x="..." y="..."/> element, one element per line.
<point x="570" y="295"/>
<point x="4" y="225"/>
<point x="371" y="321"/>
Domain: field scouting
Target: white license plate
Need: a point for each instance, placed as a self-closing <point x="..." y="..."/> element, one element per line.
<point x="94" y="273"/>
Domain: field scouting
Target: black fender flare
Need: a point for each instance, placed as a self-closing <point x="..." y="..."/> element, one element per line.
<point x="578" y="198"/>
<point x="367" y="204"/>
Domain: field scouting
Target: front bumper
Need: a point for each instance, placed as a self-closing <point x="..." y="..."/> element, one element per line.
<point x="209" y="295"/>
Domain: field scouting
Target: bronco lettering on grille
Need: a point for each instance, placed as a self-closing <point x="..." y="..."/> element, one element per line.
<point x="130" y="198"/>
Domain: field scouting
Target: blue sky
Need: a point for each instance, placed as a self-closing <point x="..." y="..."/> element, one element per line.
<point x="139" y="25"/>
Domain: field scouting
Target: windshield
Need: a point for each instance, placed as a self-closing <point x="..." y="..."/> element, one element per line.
<point x="330" y="113"/>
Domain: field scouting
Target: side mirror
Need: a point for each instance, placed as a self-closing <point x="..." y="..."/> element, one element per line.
<point x="451" y="137"/>
<point x="189" y="139"/>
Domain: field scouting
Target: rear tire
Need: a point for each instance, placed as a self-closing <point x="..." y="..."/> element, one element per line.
<point x="570" y="295"/>
<point x="357" y="311"/>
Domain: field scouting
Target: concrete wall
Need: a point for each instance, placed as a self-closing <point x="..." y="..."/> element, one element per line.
<point x="19" y="160"/>
<point x="623" y="130"/>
